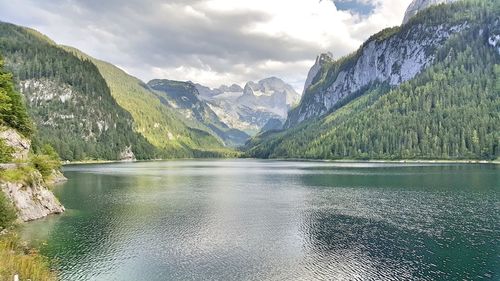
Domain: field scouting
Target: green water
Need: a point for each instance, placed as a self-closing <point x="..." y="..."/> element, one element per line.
<point x="270" y="220"/>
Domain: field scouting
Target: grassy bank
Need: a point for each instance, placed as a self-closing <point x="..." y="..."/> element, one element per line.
<point x="27" y="263"/>
<point x="15" y="257"/>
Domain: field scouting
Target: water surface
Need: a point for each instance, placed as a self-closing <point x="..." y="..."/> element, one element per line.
<point x="271" y="220"/>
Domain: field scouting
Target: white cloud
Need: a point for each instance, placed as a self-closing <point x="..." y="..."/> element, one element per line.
<point x="207" y="41"/>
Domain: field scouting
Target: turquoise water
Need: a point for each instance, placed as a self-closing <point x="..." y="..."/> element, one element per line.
<point x="271" y="220"/>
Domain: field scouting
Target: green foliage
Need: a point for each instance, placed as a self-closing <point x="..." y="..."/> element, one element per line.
<point x="12" y="110"/>
<point x="16" y="258"/>
<point x="7" y="212"/>
<point x="23" y="173"/>
<point x="450" y="111"/>
<point x="5" y="152"/>
<point x="48" y="150"/>
<point x="45" y="164"/>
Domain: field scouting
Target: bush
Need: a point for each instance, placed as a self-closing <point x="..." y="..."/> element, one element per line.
<point x="5" y="152"/>
<point x="45" y="164"/>
<point x="23" y="173"/>
<point x="7" y="212"/>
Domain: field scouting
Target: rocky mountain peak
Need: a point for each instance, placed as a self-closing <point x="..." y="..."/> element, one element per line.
<point x="419" y="5"/>
<point x="233" y="88"/>
<point x="320" y="61"/>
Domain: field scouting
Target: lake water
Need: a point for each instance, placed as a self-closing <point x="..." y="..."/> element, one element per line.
<point x="271" y="220"/>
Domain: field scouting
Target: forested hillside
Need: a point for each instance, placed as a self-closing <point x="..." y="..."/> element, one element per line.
<point x="68" y="99"/>
<point x="449" y="111"/>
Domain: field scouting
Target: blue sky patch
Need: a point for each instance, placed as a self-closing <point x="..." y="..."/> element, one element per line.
<point x="355" y="6"/>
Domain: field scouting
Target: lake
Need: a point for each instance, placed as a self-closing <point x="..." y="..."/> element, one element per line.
<point x="274" y="220"/>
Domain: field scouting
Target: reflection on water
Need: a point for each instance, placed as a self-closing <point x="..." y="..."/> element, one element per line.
<point x="268" y="220"/>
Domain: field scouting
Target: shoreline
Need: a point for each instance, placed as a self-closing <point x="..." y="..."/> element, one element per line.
<point x="401" y="161"/>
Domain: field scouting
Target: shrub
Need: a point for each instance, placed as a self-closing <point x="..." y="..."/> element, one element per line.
<point x="22" y="173"/>
<point x="5" y="152"/>
<point x="45" y="164"/>
<point x="7" y="212"/>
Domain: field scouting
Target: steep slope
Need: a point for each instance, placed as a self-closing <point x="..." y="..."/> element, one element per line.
<point x="450" y="110"/>
<point x="68" y="99"/>
<point x="185" y="98"/>
<point x="158" y="122"/>
<point x="250" y="108"/>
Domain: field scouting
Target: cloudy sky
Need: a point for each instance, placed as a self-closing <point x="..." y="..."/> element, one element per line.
<point x="212" y="42"/>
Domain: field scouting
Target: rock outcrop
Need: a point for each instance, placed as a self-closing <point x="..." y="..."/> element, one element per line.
<point x="321" y="60"/>
<point x="31" y="199"/>
<point x="494" y="36"/>
<point x="419" y="5"/>
<point x="15" y="140"/>
<point x="127" y="155"/>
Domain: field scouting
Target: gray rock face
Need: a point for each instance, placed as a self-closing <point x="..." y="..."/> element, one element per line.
<point x="419" y="5"/>
<point x="127" y="154"/>
<point x="391" y="60"/>
<point x="20" y="144"/>
<point x="494" y="36"/>
<point x="250" y="108"/>
<point x="32" y="200"/>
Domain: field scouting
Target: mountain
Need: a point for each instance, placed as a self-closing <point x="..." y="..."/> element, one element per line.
<point x="426" y="90"/>
<point x="89" y="109"/>
<point x="185" y="98"/>
<point x="250" y="108"/>
<point x="393" y="56"/>
<point x="419" y="5"/>
<point x="160" y="123"/>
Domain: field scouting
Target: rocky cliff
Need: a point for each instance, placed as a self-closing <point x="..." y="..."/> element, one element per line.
<point x="32" y="199"/>
<point x="392" y="56"/>
<point x="20" y="144"/>
<point x="30" y="196"/>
